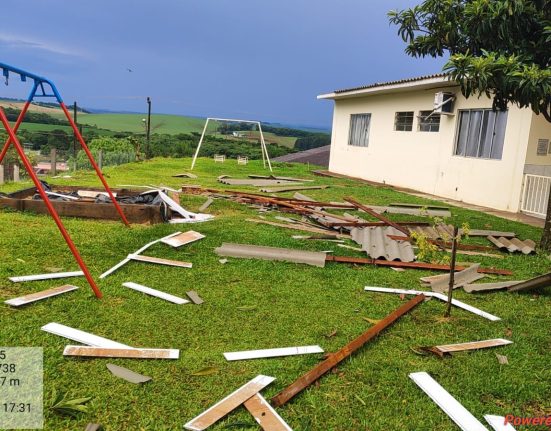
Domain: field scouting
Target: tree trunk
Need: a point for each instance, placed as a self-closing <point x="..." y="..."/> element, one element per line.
<point x="545" y="242"/>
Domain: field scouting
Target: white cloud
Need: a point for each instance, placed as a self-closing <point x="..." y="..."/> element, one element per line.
<point x="26" y="43"/>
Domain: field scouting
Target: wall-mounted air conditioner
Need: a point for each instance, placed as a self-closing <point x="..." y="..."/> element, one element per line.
<point x="443" y="103"/>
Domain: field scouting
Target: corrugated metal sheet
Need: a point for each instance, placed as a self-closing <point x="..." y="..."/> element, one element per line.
<point x="384" y="84"/>
<point x="440" y="231"/>
<point x="376" y="243"/>
<point x="514" y="244"/>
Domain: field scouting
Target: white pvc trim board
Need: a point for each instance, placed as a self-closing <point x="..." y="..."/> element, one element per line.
<point x="272" y="353"/>
<point x="453" y="408"/>
<point x="81" y="336"/>
<point x="498" y="423"/>
<point x="156" y="293"/>
<point x="23" y="300"/>
<point x="435" y="295"/>
<point x="51" y="276"/>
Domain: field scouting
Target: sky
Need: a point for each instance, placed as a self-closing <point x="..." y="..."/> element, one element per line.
<point x="262" y="60"/>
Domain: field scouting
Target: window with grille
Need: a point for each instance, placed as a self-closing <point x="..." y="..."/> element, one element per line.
<point x="359" y="130"/>
<point x="429" y="121"/>
<point x="403" y="121"/>
<point x="481" y="133"/>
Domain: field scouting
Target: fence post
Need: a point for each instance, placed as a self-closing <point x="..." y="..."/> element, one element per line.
<point x="15" y="173"/>
<point x="53" y="161"/>
<point x="100" y="160"/>
<point x="1" y="173"/>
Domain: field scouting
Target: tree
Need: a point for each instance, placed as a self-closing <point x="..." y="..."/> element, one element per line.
<point x="500" y="48"/>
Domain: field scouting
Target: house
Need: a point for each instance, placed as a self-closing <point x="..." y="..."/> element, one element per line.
<point x="421" y="133"/>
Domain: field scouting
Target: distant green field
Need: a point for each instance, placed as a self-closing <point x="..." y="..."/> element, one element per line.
<point x="160" y="123"/>
<point x="39" y="127"/>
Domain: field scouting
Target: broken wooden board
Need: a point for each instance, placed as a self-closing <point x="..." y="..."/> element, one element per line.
<point x="459" y="414"/>
<point x="228" y="404"/>
<point x="110" y="352"/>
<point x="81" y="336"/>
<point x="51" y="276"/>
<point x="183" y="238"/>
<point x="156" y="293"/>
<point x="159" y="261"/>
<point x="484" y="287"/>
<point x="435" y="295"/>
<point x="272" y="253"/>
<point x="195" y="298"/>
<point x="461" y="347"/>
<point x="128" y="375"/>
<point x="27" y="299"/>
<point x="272" y="353"/>
<point x="265" y="415"/>
<point x="336" y="358"/>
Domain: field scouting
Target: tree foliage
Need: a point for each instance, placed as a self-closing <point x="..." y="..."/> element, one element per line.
<point x="501" y="48"/>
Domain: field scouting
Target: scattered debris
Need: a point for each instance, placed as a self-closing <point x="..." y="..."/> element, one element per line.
<point x="498" y="423"/>
<point x="207" y="204"/>
<point x="27" y="299"/>
<point x="334" y="359"/>
<point x="156" y="293"/>
<point x="112" y="352"/>
<point x="273" y="177"/>
<point x="484" y="287"/>
<point x="195" y="298"/>
<point x="228" y="404"/>
<point x="39" y="277"/>
<point x="377" y="215"/>
<point x="533" y="283"/>
<point x="272" y="253"/>
<point x="256" y="182"/>
<point x="349" y="247"/>
<point x="184" y="175"/>
<point x="440" y="283"/>
<point x="159" y="261"/>
<point x="486" y="233"/>
<point x="301" y="228"/>
<point x="461" y="347"/>
<point x="188" y="217"/>
<point x="440" y="231"/>
<point x="265" y="415"/>
<point x="183" y="238"/>
<point x="514" y="244"/>
<point x="291" y="189"/>
<point x="128" y="375"/>
<point x="459" y="414"/>
<point x="435" y="295"/>
<point x="376" y="243"/>
<point x="502" y="359"/>
<point x="81" y="336"/>
<point x="272" y="353"/>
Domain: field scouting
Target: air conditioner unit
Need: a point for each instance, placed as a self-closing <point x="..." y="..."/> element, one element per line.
<point x="443" y="102"/>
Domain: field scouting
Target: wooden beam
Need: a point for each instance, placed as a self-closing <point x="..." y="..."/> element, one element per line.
<point x="105" y="352"/>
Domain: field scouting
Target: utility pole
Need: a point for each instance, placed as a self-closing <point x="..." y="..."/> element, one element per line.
<point x="75" y="137"/>
<point x="148" y="126"/>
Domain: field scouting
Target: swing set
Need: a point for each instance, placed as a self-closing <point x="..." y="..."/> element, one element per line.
<point x="44" y="88"/>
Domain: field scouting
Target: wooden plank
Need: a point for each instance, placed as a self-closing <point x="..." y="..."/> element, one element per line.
<point x="265" y="415"/>
<point x="272" y="353"/>
<point x="157" y="260"/>
<point x="336" y="358"/>
<point x="156" y="293"/>
<point x="105" y="352"/>
<point x="81" y="336"/>
<point x="228" y="404"/>
<point x="183" y="238"/>
<point x="51" y="276"/>
<point x="474" y="345"/>
<point x="195" y="298"/>
<point x="27" y="299"/>
<point x="459" y="414"/>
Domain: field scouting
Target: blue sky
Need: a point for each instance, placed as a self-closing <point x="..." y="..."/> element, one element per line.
<point x="265" y="60"/>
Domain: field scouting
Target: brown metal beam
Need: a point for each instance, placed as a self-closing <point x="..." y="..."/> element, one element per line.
<point x="377" y="215"/>
<point x="334" y="359"/>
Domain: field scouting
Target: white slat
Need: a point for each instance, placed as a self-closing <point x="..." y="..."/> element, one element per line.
<point x="81" y="336"/>
<point x="156" y="293"/>
<point x="46" y="276"/>
<point x="272" y="353"/>
<point x="498" y="423"/>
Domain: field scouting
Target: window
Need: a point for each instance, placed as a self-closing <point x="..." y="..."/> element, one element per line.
<point x="429" y="121"/>
<point x="481" y="133"/>
<point x="543" y="146"/>
<point x="403" y="121"/>
<point x="359" y="130"/>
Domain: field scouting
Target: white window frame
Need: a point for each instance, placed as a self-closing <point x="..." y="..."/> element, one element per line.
<point x="403" y="124"/>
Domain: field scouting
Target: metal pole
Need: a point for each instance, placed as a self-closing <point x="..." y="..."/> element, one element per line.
<point x="148" y="129"/>
<point x="199" y="144"/>
<point x="265" y="148"/>
<point x="75" y="137"/>
<point x="48" y="204"/>
<point x="452" y="272"/>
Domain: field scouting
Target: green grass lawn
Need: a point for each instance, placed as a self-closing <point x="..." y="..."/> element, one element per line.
<point x="286" y="305"/>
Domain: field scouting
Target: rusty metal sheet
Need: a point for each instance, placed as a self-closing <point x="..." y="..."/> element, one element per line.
<point x="228" y="404"/>
<point x="272" y="253"/>
<point x="376" y="243"/>
<point x="27" y="299"/>
<point x="336" y="358"/>
<point x="514" y="244"/>
<point x="130" y="353"/>
<point x="484" y="287"/>
<point x="265" y="415"/>
<point x="128" y="375"/>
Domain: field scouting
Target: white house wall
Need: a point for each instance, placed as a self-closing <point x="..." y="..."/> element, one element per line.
<point x="538" y="164"/>
<point x="424" y="161"/>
